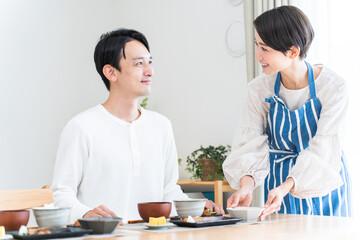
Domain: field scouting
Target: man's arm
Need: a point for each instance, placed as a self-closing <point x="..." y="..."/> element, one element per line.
<point x="68" y="172"/>
<point x="172" y="191"/>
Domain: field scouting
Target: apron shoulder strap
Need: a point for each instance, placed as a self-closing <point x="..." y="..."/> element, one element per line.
<point x="311" y="81"/>
<point x="277" y="84"/>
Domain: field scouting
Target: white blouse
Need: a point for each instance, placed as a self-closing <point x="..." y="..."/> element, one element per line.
<point x="317" y="168"/>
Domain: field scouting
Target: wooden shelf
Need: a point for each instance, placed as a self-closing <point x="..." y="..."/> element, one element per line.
<point x="219" y="187"/>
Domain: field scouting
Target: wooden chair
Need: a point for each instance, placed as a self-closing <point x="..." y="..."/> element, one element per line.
<point x="24" y="199"/>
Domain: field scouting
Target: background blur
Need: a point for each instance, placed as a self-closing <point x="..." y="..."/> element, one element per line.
<point x="48" y="75"/>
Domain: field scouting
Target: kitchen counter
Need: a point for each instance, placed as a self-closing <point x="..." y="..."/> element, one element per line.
<point x="277" y="226"/>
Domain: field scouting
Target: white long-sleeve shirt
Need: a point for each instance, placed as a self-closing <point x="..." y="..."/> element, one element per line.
<point x="104" y="160"/>
<point x="317" y="168"/>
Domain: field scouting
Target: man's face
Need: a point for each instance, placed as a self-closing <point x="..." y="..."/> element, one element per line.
<point x="134" y="80"/>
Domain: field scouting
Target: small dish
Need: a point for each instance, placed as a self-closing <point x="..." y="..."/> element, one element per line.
<point x="248" y="213"/>
<point x="218" y="222"/>
<point x="190" y="207"/>
<point x="159" y="227"/>
<point x="54" y="233"/>
<point x="100" y="225"/>
<point x="51" y="217"/>
<point x="6" y="237"/>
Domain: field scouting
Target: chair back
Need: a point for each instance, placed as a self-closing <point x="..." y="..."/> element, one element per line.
<point x="24" y="199"/>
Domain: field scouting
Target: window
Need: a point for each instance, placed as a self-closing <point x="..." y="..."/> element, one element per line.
<point x="337" y="45"/>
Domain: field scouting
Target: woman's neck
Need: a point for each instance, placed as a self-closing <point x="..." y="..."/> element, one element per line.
<point x="295" y="76"/>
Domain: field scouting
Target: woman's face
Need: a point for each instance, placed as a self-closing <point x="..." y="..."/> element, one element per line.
<point x="272" y="61"/>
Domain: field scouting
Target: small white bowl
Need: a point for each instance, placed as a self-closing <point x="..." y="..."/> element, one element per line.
<point x="248" y="213"/>
<point x="57" y="217"/>
<point x="190" y="207"/>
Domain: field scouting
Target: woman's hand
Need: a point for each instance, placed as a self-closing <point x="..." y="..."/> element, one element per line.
<point x="275" y="197"/>
<point x="243" y="196"/>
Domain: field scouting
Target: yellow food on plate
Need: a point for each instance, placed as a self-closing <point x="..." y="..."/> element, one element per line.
<point x="157" y="221"/>
<point x="2" y="231"/>
<point x="153" y="221"/>
<point x="162" y="221"/>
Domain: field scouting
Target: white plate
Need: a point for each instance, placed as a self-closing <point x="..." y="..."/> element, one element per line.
<point x="248" y="213"/>
<point x="7" y="236"/>
<point x="158" y="227"/>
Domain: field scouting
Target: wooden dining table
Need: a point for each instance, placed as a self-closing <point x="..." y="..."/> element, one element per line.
<point x="275" y="227"/>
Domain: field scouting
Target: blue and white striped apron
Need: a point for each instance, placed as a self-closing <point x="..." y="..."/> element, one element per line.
<point x="289" y="133"/>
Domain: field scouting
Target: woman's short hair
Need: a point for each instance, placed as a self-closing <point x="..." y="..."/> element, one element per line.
<point x="283" y="27"/>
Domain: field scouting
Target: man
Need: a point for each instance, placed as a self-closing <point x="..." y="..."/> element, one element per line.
<point x="116" y="154"/>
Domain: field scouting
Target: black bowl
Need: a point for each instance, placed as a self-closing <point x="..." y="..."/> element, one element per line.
<point x="100" y="225"/>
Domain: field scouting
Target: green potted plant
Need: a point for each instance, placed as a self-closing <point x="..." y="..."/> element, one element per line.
<point x="205" y="163"/>
<point x="144" y="102"/>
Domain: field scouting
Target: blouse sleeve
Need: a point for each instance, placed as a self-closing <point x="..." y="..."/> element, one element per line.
<point x="250" y="151"/>
<point x="317" y="168"/>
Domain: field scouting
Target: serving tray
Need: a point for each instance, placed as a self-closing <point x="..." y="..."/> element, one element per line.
<point x="218" y="222"/>
<point x="55" y="233"/>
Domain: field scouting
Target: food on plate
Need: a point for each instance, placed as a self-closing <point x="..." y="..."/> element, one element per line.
<point x="201" y="219"/>
<point x="2" y="231"/>
<point x="75" y="224"/>
<point x="23" y="230"/>
<point x="49" y="206"/>
<point x="33" y="231"/>
<point x="190" y="219"/>
<point x="43" y="232"/>
<point x="162" y="220"/>
<point x="208" y="212"/>
<point x="157" y="221"/>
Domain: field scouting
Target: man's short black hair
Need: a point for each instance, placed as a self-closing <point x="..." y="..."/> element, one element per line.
<point x="111" y="48"/>
<point x="283" y="27"/>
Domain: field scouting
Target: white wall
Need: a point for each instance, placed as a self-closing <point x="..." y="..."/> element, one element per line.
<point x="48" y="75"/>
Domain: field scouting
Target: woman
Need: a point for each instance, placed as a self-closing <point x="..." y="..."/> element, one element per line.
<point x="290" y="134"/>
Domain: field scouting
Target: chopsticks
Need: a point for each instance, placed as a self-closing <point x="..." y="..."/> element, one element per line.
<point x="135" y="221"/>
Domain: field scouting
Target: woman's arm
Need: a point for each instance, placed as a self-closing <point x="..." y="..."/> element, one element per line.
<point x="250" y="150"/>
<point x="317" y="168"/>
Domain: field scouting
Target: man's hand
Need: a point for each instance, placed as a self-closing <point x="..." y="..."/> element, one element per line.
<point x="243" y="196"/>
<point x="100" y="211"/>
<point x="214" y="207"/>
